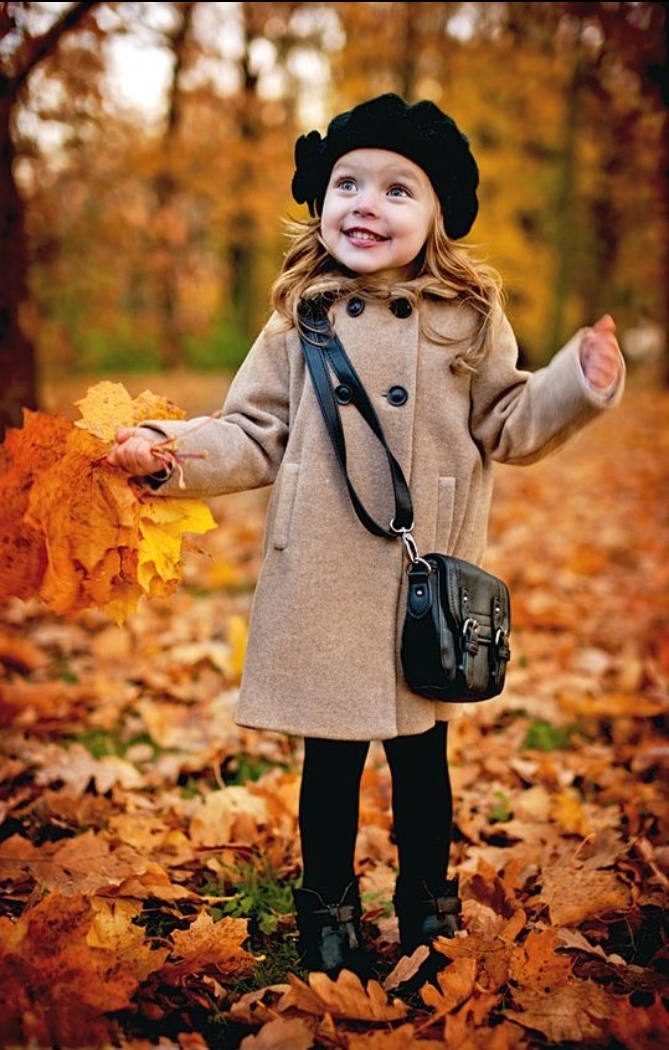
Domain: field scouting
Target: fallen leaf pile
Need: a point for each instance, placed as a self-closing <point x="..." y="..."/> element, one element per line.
<point x="75" y="530"/>
<point x="148" y="845"/>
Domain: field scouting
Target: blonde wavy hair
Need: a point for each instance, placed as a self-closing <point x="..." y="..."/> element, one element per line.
<point x="446" y="271"/>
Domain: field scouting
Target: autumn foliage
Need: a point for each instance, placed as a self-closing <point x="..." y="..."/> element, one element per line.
<point x="148" y="844"/>
<point x="75" y="530"/>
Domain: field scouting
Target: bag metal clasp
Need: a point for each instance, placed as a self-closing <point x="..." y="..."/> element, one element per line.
<point x="410" y="548"/>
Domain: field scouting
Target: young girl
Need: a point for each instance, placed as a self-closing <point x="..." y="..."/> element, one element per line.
<point x="391" y="188"/>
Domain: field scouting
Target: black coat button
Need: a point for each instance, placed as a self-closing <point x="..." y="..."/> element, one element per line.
<point x="397" y="396"/>
<point x="354" y="307"/>
<point x="343" y="394"/>
<point x="401" y="308"/>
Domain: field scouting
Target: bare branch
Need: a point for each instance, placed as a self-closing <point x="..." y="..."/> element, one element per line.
<point x="38" y="48"/>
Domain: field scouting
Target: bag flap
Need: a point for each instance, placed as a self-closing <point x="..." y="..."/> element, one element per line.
<point x="471" y="592"/>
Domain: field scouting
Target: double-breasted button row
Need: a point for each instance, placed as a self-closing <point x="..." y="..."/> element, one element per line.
<point x="399" y="307"/>
<point x="397" y="395"/>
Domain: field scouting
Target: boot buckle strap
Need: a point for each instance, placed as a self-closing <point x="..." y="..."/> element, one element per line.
<point x="447" y="906"/>
<point x="341" y="913"/>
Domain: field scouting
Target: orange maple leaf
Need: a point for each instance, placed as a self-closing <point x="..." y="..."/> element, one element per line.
<point x="213" y="947"/>
<point x="25" y="454"/>
<point x="76" y="531"/>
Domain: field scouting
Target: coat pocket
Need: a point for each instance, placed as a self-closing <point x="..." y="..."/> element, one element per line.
<point x="285" y="504"/>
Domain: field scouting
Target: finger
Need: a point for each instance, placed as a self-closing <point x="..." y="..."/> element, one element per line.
<point x="123" y="433"/>
<point x="117" y="453"/>
<point x="605" y="324"/>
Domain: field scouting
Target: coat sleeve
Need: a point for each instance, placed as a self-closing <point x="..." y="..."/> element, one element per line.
<point x="519" y="416"/>
<point x="241" y="448"/>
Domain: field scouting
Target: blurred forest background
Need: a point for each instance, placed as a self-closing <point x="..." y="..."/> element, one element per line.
<point x="149" y="845"/>
<point x="147" y="152"/>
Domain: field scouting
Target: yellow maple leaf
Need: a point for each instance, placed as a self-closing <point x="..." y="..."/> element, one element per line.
<point x="152" y="406"/>
<point x="162" y="524"/>
<point x="108" y="406"/>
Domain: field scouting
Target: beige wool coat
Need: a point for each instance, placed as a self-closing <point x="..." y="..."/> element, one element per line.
<point x="322" y="657"/>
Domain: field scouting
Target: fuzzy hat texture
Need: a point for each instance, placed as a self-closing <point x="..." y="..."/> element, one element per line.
<point x="421" y="132"/>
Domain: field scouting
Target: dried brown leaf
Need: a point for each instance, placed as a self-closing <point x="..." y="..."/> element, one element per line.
<point x="574" y="1012"/>
<point x="456" y="985"/>
<point x="213" y="946"/>
<point x="574" y="893"/>
<point x="344" y="997"/>
<point x="280" y="1034"/>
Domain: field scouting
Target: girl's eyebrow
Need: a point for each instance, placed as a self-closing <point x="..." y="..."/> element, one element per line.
<point x="391" y="173"/>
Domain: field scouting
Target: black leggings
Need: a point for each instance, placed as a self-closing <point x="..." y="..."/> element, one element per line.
<point x="330" y="809"/>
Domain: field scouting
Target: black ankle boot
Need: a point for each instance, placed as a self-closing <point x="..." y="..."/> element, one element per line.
<point x="329" y="934"/>
<point x="423" y="916"/>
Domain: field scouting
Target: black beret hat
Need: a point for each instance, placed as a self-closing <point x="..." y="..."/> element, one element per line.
<point x="421" y="132"/>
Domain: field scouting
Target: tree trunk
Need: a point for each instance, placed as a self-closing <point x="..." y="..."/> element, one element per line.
<point x="243" y="251"/>
<point x="18" y="367"/>
<point x="564" y="238"/>
<point x="17" y="355"/>
<point x="166" y="189"/>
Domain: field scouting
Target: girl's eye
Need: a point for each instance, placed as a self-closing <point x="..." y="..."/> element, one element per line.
<point x="346" y="184"/>
<point x="398" y="191"/>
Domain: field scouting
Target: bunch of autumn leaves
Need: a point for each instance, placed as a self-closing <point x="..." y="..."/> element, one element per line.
<point x="78" y="532"/>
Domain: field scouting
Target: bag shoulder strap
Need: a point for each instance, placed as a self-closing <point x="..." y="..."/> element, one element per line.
<point x="324" y="352"/>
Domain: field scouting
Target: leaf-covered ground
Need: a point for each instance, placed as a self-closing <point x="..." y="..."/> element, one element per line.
<point x="148" y="846"/>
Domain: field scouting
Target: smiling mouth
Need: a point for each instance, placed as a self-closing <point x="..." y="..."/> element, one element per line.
<point x="357" y="234"/>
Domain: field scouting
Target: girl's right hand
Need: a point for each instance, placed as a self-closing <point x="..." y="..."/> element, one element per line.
<point x="133" y="451"/>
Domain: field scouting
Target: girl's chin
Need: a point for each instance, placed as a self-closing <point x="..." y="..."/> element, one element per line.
<point x="363" y="258"/>
<point x="367" y="263"/>
<point x="380" y="274"/>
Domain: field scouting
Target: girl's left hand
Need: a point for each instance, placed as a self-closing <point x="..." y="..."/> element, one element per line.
<point x="601" y="359"/>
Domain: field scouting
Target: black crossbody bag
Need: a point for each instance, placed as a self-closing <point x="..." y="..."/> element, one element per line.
<point x="455" y="636"/>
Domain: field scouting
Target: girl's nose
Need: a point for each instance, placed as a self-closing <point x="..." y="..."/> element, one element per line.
<point x="367" y="203"/>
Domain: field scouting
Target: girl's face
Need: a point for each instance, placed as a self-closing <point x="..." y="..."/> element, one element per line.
<point x="377" y="211"/>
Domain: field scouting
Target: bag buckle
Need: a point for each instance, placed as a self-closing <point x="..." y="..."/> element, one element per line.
<point x="410" y="548"/>
<point x="470" y="634"/>
<point x="502" y="644"/>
